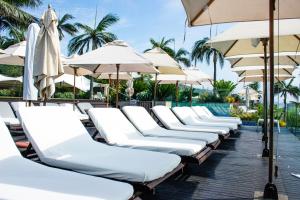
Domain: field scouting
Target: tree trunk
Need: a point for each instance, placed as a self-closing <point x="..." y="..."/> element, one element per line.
<point x="285" y="107"/>
<point x="215" y="71"/>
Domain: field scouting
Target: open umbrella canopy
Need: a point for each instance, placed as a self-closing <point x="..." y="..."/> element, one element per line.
<point x="82" y="83"/>
<point x="47" y="59"/>
<point x="14" y="54"/>
<point x="105" y="59"/>
<point x="282" y="58"/>
<point x="252" y="94"/>
<point x="2" y="51"/>
<point x="259" y="78"/>
<point x="243" y="38"/>
<point x="259" y="70"/>
<point x="8" y="81"/>
<point x="74" y="70"/>
<point x="163" y="62"/>
<point x="113" y="76"/>
<point x="205" y="12"/>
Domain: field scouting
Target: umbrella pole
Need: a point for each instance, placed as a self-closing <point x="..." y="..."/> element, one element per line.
<point x="191" y="95"/>
<point x="155" y="90"/>
<point x="270" y="191"/>
<point x="176" y="93"/>
<point x="45" y="100"/>
<point x="117" y="86"/>
<point x="265" y="152"/>
<point x="109" y="83"/>
<point x="74" y="88"/>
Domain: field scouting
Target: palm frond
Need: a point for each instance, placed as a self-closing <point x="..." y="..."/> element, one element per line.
<point x="107" y="21"/>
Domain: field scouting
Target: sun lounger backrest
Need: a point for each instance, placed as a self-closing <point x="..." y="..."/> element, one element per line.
<point x="49" y="104"/>
<point x="200" y="112"/>
<point x="166" y="116"/>
<point x="84" y="106"/>
<point x="6" y="111"/>
<point x="207" y="111"/>
<point x="140" y="118"/>
<point x="7" y="145"/>
<point x="70" y="106"/>
<point x="17" y="105"/>
<point x="113" y="125"/>
<point x="185" y="114"/>
<point x="51" y="128"/>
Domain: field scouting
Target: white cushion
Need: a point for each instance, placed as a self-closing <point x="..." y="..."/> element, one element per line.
<point x="18" y="104"/>
<point x="6" y="111"/>
<point x="212" y="115"/>
<point x="117" y="130"/>
<point x="61" y="140"/>
<point x="143" y="121"/>
<point x="24" y="179"/>
<point x="189" y="117"/>
<point x="203" y="115"/>
<point x="170" y="121"/>
<point x="11" y="121"/>
<point x="80" y="115"/>
<point x="84" y="106"/>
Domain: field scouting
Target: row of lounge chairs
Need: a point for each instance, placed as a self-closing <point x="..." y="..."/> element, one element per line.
<point x="137" y="150"/>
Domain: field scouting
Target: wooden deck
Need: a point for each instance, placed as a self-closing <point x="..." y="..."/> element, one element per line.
<point x="236" y="171"/>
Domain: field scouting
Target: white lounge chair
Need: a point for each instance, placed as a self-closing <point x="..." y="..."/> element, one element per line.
<point x="84" y="107"/>
<point x="8" y="116"/>
<point x="117" y="130"/>
<point x="21" y="178"/>
<point x="61" y="140"/>
<point x="81" y="116"/>
<point x="16" y="105"/>
<point x="170" y="121"/>
<point x="210" y="115"/>
<point x="202" y="114"/>
<point x="189" y="117"/>
<point x="143" y="121"/>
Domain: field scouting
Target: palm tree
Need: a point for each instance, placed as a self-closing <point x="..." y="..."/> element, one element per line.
<point x="224" y="88"/>
<point x="163" y="44"/>
<point x="12" y="15"/>
<point x="181" y="57"/>
<point x="93" y="38"/>
<point x="285" y="89"/>
<point x="203" y="51"/>
<point x="64" y="26"/>
<point x="255" y="86"/>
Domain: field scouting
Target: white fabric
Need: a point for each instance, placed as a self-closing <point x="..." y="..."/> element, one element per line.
<point x="61" y="140"/>
<point x="47" y="59"/>
<point x="30" y="92"/>
<point x="8" y="115"/>
<point x="117" y="130"/>
<point x="71" y="107"/>
<point x="210" y="114"/>
<point x="170" y="121"/>
<point x="143" y="121"/>
<point x="163" y="62"/>
<point x="224" y="11"/>
<point x="189" y="117"/>
<point x="7" y="79"/>
<point x="84" y="106"/>
<point x="81" y="82"/>
<point x="24" y="179"/>
<point x="105" y="59"/>
<point x="259" y="70"/>
<point x="14" y="54"/>
<point x="113" y="76"/>
<point x="18" y="104"/>
<point x="260" y="78"/>
<point x="199" y="110"/>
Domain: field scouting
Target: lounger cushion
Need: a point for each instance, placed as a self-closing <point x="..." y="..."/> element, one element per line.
<point x="117" y="130"/>
<point x="21" y="178"/>
<point x="170" y="121"/>
<point x="18" y="104"/>
<point x="61" y="140"/>
<point x="143" y="121"/>
<point x="202" y="113"/>
<point x="8" y="115"/>
<point x="84" y="106"/>
<point x="80" y="115"/>
<point x="189" y="117"/>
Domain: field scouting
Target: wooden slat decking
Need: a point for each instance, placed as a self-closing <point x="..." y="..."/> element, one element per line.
<point x="236" y="170"/>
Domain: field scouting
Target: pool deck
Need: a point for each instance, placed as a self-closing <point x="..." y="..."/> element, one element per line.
<point x="236" y="170"/>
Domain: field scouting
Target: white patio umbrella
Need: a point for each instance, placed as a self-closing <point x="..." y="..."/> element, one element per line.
<point x="116" y="56"/>
<point x="82" y="83"/>
<point x="252" y="94"/>
<point x="10" y="81"/>
<point x="259" y="70"/>
<point x="14" y="54"/>
<point x="164" y="63"/>
<point x="47" y="59"/>
<point x="204" y="12"/>
<point x="30" y="92"/>
<point x="259" y="78"/>
<point x="2" y="51"/>
<point x="282" y="58"/>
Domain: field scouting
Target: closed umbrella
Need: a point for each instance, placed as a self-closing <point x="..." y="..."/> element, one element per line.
<point x="30" y="92"/>
<point x="47" y="61"/>
<point x="203" y="12"/>
<point x="116" y="56"/>
<point x="164" y="63"/>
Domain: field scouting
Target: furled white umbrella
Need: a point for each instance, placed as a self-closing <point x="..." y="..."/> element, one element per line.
<point x="47" y="59"/>
<point x="204" y="12"/>
<point x="282" y="58"/>
<point x="14" y="54"/>
<point x="116" y="56"/>
<point x="30" y="92"/>
<point x="164" y="63"/>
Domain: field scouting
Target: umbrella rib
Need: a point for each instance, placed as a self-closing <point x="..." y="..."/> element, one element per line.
<point x="293" y="60"/>
<point x="242" y="73"/>
<point x="96" y="68"/>
<point x="286" y="71"/>
<point x="201" y="11"/>
<point x="230" y="47"/>
<point x="298" y="38"/>
<point x="236" y="62"/>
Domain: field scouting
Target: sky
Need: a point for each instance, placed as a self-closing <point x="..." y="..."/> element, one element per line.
<point x="141" y="20"/>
